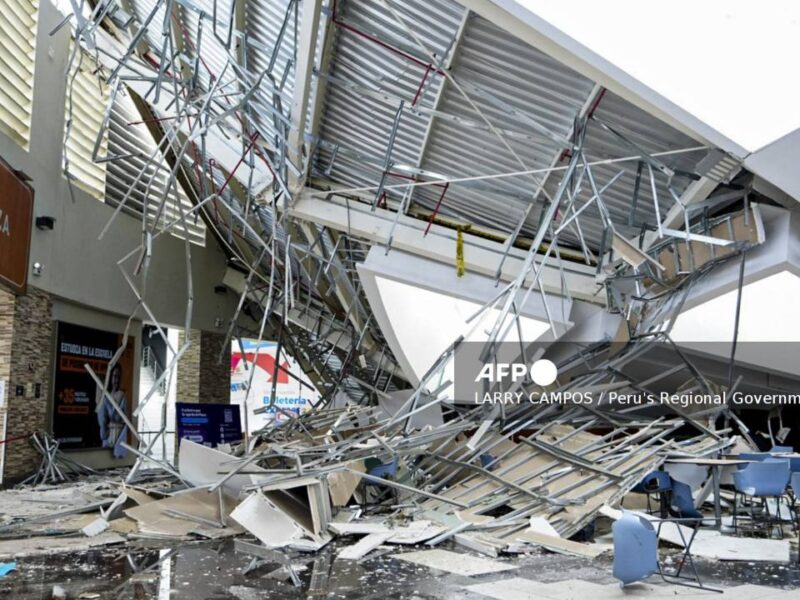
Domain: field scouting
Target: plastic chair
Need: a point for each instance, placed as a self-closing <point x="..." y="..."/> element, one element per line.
<point x="382" y="470"/>
<point x="794" y="463"/>
<point x="682" y="502"/>
<point x="779" y="449"/>
<point x="635" y="548"/>
<point x="636" y="551"/>
<point x="794" y="495"/>
<point x="655" y="482"/>
<point x="761" y="480"/>
<point x="376" y="468"/>
<point x="794" y="482"/>
<point x="753" y="457"/>
<point x="486" y="460"/>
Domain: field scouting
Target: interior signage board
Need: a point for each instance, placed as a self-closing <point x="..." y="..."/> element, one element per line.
<point x="83" y="417"/>
<point x="16" y="214"/>
<point x="208" y="424"/>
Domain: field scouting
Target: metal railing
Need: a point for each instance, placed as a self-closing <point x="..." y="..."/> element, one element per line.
<point x="151" y="362"/>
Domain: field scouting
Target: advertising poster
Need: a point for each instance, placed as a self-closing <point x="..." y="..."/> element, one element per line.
<point x="294" y="393"/>
<point x="208" y="424"/>
<point x="81" y="416"/>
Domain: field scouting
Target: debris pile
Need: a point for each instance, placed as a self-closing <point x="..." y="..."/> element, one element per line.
<point x="358" y="471"/>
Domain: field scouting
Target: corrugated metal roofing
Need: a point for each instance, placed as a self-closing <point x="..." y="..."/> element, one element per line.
<point x="153" y="33"/>
<point x="523" y="78"/>
<point x="212" y="37"/>
<point x="363" y="124"/>
<point x="512" y="84"/>
<point x="376" y="66"/>
<point x="263" y="24"/>
<point x="649" y="134"/>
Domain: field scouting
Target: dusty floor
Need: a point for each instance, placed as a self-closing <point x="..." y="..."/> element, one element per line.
<point x="215" y="571"/>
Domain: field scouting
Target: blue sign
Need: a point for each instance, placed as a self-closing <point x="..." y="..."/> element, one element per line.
<point x="208" y="424"/>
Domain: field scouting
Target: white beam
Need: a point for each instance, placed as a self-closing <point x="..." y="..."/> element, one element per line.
<point x="482" y="256"/>
<point x="325" y="58"/>
<point x="304" y="71"/>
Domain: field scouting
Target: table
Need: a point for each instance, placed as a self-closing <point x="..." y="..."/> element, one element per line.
<point x="715" y="464"/>
<point x="774" y="454"/>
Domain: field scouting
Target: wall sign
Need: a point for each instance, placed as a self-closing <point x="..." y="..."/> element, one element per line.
<point x="16" y="214"/>
<point x="80" y="419"/>
<point x="208" y="424"/>
<point x="294" y="394"/>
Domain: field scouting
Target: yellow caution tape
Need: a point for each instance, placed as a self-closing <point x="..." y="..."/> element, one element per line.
<point x="460" y="253"/>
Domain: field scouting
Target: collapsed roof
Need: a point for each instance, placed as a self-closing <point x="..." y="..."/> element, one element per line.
<point x="308" y="136"/>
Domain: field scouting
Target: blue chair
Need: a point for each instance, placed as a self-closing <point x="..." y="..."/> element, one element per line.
<point x="794" y="495"/>
<point x="636" y="551"/>
<point x="377" y="468"/>
<point x="635" y="548"/>
<point x="486" y="460"/>
<point x="779" y="449"/>
<point x="382" y="470"/>
<point x="761" y="480"/>
<point x="753" y="457"/>
<point x="655" y="482"/>
<point x="683" y="503"/>
<point x="794" y="463"/>
<point x="795" y="483"/>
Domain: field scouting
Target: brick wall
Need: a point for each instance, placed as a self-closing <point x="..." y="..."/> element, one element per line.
<point x="202" y="377"/>
<point x="188" y="385"/>
<point x="6" y="333"/>
<point x="26" y="339"/>
<point x="215" y="374"/>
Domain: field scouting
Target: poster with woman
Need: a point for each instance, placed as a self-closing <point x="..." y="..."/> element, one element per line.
<point x="83" y="416"/>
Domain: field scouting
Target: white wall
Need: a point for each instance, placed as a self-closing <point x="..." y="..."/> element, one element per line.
<point x="77" y="266"/>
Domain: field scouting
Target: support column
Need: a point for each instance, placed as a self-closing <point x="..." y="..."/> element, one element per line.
<point x="202" y="377"/>
<point x="188" y="387"/>
<point x="26" y="338"/>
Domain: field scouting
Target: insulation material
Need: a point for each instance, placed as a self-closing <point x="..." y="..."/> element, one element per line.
<point x="264" y="520"/>
<point x="194" y="511"/>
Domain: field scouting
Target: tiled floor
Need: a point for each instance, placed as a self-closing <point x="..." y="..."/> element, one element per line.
<point x="215" y="571"/>
<point x="519" y="588"/>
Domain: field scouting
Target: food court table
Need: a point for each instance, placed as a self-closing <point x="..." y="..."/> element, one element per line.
<point x="715" y="464"/>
